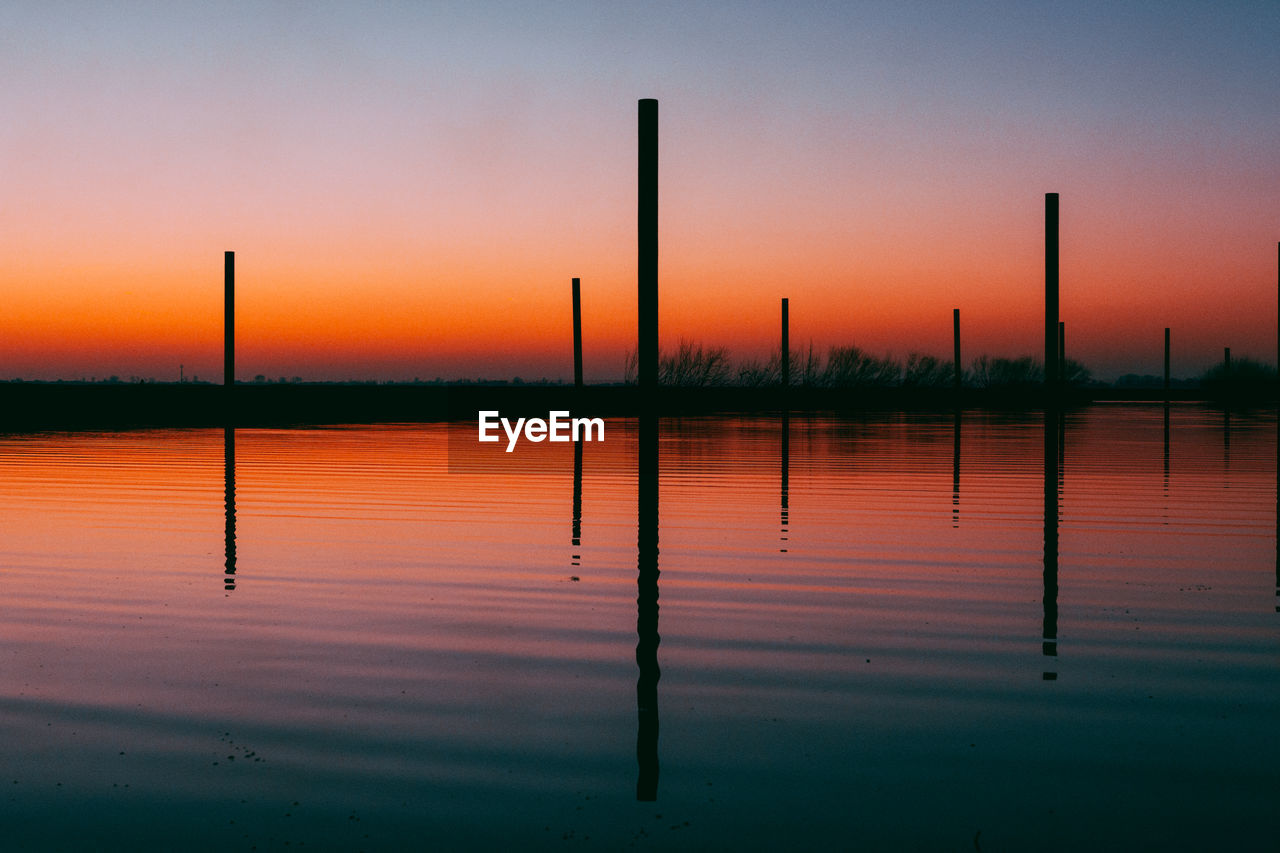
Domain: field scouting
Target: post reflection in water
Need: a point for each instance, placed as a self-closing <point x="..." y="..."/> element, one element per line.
<point x="647" y="611"/>
<point x="1166" y="450"/>
<point x="955" y="472"/>
<point x="784" y="509"/>
<point x="576" y="558"/>
<point x="1226" y="443"/>
<point x="229" y="503"/>
<point x="1052" y="469"/>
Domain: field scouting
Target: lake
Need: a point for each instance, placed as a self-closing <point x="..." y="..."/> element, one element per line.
<point x="880" y="632"/>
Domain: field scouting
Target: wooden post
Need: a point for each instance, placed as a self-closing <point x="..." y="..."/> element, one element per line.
<point x="577" y="334"/>
<point x="1051" y="291"/>
<point x="1062" y="352"/>
<point x="1226" y="360"/>
<point x="229" y="319"/>
<point x="1166" y="363"/>
<point x="786" y="346"/>
<point x="955" y="335"/>
<point x="647" y="239"/>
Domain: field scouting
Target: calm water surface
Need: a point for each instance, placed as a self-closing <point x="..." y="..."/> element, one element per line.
<point x="852" y="635"/>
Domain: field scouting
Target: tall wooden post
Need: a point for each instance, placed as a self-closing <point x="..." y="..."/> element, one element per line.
<point x="1226" y="360"/>
<point x="229" y="319"/>
<point x="1051" y="291"/>
<point x="577" y="334"/>
<point x="647" y="238"/>
<point x="955" y="335"/>
<point x="786" y="345"/>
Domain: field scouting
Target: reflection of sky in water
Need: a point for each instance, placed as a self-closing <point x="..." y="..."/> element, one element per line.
<point x="405" y="648"/>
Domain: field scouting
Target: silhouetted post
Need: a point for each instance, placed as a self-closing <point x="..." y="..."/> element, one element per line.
<point x="786" y="346"/>
<point x="1062" y="352"/>
<point x="577" y="334"/>
<point x="1166" y="364"/>
<point x="1051" y="292"/>
<point x="647" y="234"/>
<point x="229" y="319"/>
<point x="647" y="611"/>
<point x="955" y="335"/>
<point x="1226" y="360"/>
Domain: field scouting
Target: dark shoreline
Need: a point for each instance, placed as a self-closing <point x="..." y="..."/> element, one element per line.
<point x="28" y="405"/>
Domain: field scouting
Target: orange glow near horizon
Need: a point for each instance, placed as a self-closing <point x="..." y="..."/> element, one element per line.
<point x="462" y="319"/>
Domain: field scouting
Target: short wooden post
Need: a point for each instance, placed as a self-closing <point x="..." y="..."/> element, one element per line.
<point x="229" y="319"/>
<point x="955" y="335"/>
<point x="577" y="334"/>
<point x="786" y="345"/>
<point x="1051" y="291"/>
<point x="1166" y="363"/>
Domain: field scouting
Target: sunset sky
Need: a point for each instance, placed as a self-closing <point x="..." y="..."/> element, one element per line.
<point x="409" y="187"/>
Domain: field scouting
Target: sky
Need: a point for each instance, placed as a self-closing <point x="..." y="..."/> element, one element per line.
<point x="409" y="187"/>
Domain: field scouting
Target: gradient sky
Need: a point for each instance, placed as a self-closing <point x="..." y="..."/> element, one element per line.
<point x="409" y="187"/>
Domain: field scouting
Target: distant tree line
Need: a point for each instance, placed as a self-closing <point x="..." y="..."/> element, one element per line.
<point x="694" y="365"/>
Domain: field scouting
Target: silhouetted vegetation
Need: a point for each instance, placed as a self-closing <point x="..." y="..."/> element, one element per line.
<point x="1006" y="373"/>
<point x="1242" y="376"/>
<point x="694" y="365"/>
<point x="691" y="366"/>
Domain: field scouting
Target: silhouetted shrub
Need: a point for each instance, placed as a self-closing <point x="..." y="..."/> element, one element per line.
<point x="1074" y="373"/>
<point x="1245" y="376"/>
<point x="694" y="366"/>
<point x="927" y="371"/>
<point x="850" y="367"/>
<point x="690" y="366"/>
<point x="1006" y="373"/>
<point x="754" y="373"/>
